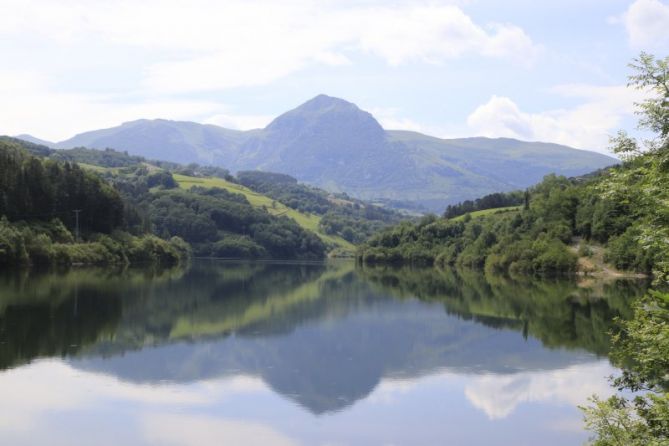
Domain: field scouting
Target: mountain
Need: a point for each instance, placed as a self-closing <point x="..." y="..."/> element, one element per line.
<point x="331" y="143"/>
<point x="176" y="141"/>
<point x="32" y="139"/>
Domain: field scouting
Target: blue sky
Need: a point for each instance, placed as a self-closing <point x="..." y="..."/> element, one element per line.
<point x="550" y="70"/>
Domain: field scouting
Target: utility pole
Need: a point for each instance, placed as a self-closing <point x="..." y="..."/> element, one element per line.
<point x="76" y="227"/>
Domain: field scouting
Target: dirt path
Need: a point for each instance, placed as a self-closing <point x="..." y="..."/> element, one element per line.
<point x="594" y="264"/>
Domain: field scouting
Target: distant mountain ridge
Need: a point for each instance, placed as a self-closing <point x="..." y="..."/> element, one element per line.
<point x="32" y="139"/>
<point x="333" y="144"/>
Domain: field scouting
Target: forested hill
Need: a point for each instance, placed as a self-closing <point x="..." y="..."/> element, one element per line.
<point x="618" y="216"/>
<point x="33" y="189"/>
<point x="256" y="215"/>
<point x="126" y="212"/>
<point x="54" y="212"/>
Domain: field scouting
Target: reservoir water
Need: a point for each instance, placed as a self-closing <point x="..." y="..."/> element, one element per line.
<point x="301" y="354"/>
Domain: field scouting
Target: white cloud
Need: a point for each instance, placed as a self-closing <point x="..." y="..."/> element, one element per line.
<point x="510" y="41"/>
<point x="647" y="22"/>
<point x="48" y="392"/>
<point x="258" y="48"/>
<point x="202" y="430"/>
<point x="238" y="66"/>
<point x="501" y="117"/>
<point x="211" y="45"/>
<point x="332" y="59"/>
<point x="160" y="52"/>
<point x="30" y="104"/>
<point x="29" y="394"/>
<point x="436" y="33"/>
<point x="499" y="395"/>
<point x="585" y="126"/>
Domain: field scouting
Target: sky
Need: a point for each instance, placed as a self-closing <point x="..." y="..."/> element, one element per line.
<point x="548" y="70"/>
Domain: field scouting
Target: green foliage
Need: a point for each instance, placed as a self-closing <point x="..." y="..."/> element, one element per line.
<point x="285" y="189"/>
<point x="237" y="247"/>
<point x="37" y="200"/>
<point x="223" y="224"/>
<point x="351" y="219"/>
<point x="642" y="350"/>
<point x="344" y="220"/>
<point x="93" y="253"/>
<point x="653" y="74"/>
<point x="153" y="250"/>
<point x="491" y="201"/>
<point x="217" y="222"/>
<point x="625" y="253"/>
<point x="12" y="245"/>
<point x="105" y="158"/>
<point x="51" y="244"/>
<point x="643" y="184"/>
<point x="643" y="346"/>
<point x="615" y="422"/>
<point x="32" y="189"/>
<point x="355" y="224"/>
<point x="528" y="241"/>
<point x="162" y="179"/>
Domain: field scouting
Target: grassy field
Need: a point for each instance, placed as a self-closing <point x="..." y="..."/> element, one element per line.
<point x="488" y="212"/>
<point x="307" y="221"/>
<point x="98" y="169"/>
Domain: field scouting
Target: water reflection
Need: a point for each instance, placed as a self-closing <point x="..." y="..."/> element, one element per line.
<point x="371" y="343"/>
<point x="559" y="312"/>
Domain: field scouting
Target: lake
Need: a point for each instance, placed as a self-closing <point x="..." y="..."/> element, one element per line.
<point x="301" y="354"/>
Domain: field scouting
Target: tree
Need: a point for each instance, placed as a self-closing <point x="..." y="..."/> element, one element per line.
<point x="653" y="74"/>
<point x="641" y="349"/>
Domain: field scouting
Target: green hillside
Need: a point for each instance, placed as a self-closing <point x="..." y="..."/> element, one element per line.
<point x="131" y="211"/>
<point x="623" y="210"/>
<point x="485" y="212"/>
<point x="309" y="222"/>
<point x="189" y="201"/>
<point x="339" y="221"/>
<point x="54" y="212"/>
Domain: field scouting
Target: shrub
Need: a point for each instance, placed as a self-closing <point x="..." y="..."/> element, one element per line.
<point x="555" y="258"/>
<point x="40" y="249"/>
<point x="12" y="246"/>
<point x="625" y="252"/>
<point x="151" y="249"/>
<point x="237" y="247"/>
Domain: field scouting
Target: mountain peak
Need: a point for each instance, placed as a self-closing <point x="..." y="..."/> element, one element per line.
<point x="328" y="111"/>
<point x="323" y="101"/>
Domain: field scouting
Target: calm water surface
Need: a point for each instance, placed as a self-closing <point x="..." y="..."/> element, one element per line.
<point x="290" y="354"/>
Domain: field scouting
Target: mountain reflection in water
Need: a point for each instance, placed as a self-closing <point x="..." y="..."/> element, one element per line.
<point x="325" y="336"/>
